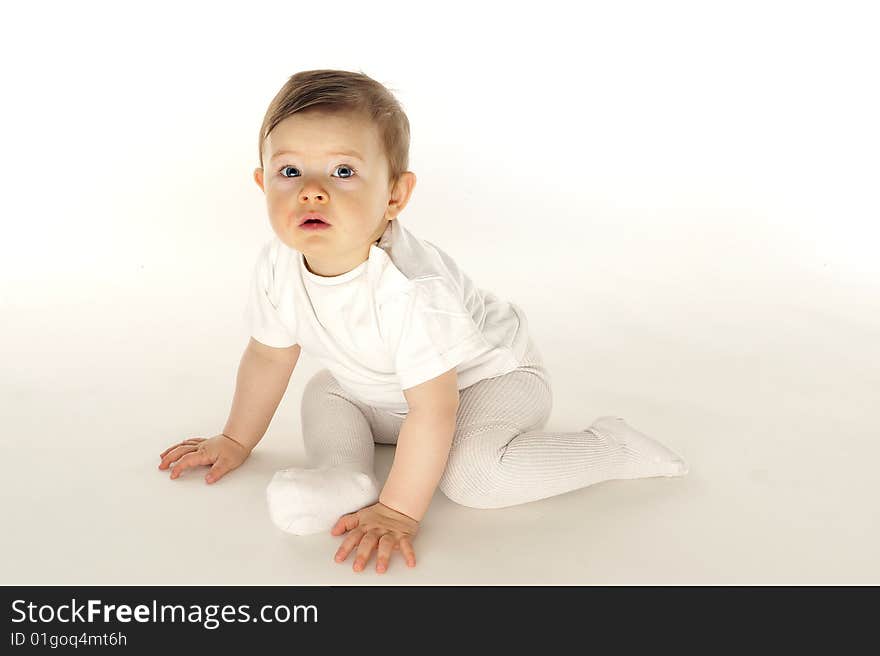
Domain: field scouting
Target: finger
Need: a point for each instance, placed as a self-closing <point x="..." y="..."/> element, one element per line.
<point x="191" y="441"/>
<point x="176" y="454"/>
<point x="368" y="543"/>
<point x="220" y="469"/>
<point x="187" y="445"/>
<point x="383" y="554"/>
<point x="407" y="550"/>
<point x="173" y="446"/>
<point x="350" y="542"/>
<point x="193" y="459"/>
<point x="344" y="524"/>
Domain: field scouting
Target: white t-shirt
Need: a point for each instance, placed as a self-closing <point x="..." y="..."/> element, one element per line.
<point x="404" y="316"/>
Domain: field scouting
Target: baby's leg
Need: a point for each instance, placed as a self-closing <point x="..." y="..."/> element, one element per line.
<point x="500" y="456"/>
<point x="339" y="477"/>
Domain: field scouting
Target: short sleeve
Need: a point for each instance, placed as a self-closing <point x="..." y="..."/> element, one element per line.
<point x="262" y="318"/>
<point x="433" y="332"/>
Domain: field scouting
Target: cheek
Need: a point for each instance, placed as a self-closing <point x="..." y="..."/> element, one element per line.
<point x="280" y="201"/>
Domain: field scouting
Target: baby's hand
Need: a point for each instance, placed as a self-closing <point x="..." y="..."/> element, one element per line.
<point x="376" y="525"/>
<point x="224" y="453"/>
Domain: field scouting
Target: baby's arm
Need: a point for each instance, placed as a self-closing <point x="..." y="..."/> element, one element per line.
<point x="423" y="445"/>
<point x="263" y="375"/>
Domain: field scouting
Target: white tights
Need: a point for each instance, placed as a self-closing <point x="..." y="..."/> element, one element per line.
<point x="500" y="455"/>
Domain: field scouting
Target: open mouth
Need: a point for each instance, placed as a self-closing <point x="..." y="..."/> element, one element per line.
<point x="313" y="223"/>
<point x="312" y="219"/>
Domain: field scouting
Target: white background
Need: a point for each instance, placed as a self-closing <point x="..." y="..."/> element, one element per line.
<point x="682" y="196"/>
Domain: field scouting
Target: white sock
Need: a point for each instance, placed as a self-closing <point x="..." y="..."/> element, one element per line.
<point x="644" y="457"/>
<point x="306" y="501"/>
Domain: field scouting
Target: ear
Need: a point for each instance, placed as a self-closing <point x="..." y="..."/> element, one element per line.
<point x="258" y="178"/>
<point x="401" y="192"/>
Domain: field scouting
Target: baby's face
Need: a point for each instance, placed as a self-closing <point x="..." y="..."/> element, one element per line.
<point x="305" y="172"/>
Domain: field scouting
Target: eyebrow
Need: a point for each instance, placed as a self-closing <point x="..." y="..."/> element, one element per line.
<point x="348" y="153"/>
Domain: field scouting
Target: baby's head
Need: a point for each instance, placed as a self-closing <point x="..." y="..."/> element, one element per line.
<point x="335" y="143"/>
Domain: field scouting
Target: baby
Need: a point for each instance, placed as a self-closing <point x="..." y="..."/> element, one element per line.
<point x="416" y="355"/>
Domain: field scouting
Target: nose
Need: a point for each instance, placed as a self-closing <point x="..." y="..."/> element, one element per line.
<point x="312" y="192"/>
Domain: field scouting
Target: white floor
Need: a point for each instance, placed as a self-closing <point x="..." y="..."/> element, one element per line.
<point x="768" y="393"/>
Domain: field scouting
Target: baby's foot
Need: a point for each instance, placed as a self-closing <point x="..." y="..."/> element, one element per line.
<point x="306" y="501"/>
<point x="645" y="457"/>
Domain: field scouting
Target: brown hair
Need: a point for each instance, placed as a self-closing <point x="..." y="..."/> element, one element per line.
<point x="336" y="91"/>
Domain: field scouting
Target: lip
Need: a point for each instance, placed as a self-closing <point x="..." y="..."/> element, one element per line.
<point x="315" y="226"/>
<point x="312" y="215"/>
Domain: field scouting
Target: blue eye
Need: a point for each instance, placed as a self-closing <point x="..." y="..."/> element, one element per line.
<point x="341" y="166"/>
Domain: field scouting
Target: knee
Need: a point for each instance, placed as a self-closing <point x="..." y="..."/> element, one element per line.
<point x="470" y="484"/>
<point x="319" y="384"/>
